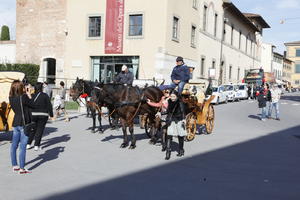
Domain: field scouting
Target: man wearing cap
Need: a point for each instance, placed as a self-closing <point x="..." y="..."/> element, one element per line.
<point x="125" y="76"/>
<point x="180" y="75"/>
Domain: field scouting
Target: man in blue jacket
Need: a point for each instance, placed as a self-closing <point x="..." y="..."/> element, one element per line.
<point x="180" y="76"/>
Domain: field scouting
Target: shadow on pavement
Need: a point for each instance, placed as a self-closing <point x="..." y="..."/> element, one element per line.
<point x="6" y="136"/>
<point x="49" y="155"/>
<point x="55" y="140"/>
<point x="291" y="98"/>
<point x="141" y="136"/>
<point x="254" y="117"/>
<point x="260" y="169"/>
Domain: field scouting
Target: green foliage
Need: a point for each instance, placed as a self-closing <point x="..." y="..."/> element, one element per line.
<point x="5" y="33"/>
<point x="71" y="105"/>
<point x="31" y="71"/>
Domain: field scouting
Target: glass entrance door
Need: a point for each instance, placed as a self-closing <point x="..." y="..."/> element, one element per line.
<point x="109" y="73"/>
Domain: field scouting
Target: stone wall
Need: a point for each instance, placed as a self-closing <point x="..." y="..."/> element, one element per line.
<point x="41" y="31"/>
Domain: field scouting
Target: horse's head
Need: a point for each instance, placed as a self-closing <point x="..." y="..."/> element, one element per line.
<point x="77" y="89"/>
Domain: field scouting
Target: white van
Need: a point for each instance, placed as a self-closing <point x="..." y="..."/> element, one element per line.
<point x="242" y="92"/>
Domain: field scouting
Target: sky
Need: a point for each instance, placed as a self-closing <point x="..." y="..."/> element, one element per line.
<point x="273" y="11"/>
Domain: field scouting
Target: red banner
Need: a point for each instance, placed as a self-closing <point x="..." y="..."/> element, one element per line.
<point x="114" y="26"/>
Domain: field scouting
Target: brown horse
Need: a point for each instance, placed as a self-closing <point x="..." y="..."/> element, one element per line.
<point x="128" y="102"/>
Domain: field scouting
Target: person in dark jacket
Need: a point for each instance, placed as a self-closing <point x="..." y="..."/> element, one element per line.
<point x="17" y="96"/>
<point x="176" y="123"/>
<point x="125" y="76"/>
<point x="262" y="102"/>
<point x="180" y="76"/>
<point x="40" y="115"/>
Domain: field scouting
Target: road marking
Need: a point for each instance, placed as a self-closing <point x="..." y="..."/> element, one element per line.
<point x="284" y="103"/>
<point x="295" y="104"/>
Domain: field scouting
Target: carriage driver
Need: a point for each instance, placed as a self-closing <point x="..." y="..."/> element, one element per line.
<point x="180" y="76"/>
<point x="125" y="76"/>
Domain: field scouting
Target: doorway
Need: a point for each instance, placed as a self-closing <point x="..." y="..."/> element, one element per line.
<point x="107" y="73"/>
<point x="50" y="70"/>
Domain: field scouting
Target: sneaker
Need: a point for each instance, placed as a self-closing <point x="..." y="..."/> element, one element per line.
<point x="28" y="146"/>
<point x="36" y="148"/>
<point x="263" y="119"/>
<point x="16" y="168"/>
<point x="24" y="171"/>
<point x="278" y="119"/>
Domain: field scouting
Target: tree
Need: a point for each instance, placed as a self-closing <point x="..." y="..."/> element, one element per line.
<point x="5" y="33"/>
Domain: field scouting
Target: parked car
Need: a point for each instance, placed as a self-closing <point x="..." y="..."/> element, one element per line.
<point x="220" y="95"/>
<point x="242" y="91"/>
<point x="230" y="91"/>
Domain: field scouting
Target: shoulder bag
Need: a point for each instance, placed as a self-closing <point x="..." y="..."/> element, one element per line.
<point x="30" y="127"/>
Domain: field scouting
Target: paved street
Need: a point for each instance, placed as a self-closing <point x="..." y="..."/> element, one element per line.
<point x="244" y="158"/>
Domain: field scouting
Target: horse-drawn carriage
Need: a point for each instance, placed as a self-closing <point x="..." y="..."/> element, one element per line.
<point x="201" y="113"/>
<point x="6" y="113"/>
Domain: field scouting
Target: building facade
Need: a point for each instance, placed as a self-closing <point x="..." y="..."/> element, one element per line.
<point x="277" y="66"/>
<point x="287" y="70"/>
<point x="93" y="40"/>
<point x="293" y="54"/>
<point x="7" y="51"/>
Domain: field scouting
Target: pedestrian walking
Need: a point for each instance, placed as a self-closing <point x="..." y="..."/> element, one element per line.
<point x="262" y="103"/>
<point x="276" y="94"/>
<point x="20" y="101"/>
<point x="59" y="102"/>
<point x="40" y="115"/>
<point x="269" y="99"/>
<point x="176" y="123"/>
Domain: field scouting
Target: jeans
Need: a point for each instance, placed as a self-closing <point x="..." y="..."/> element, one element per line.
<point x="173" y="86"/>
<point x="276" y="106"/>
<point x="263" y="112"/>
<point x="18" y="137"/>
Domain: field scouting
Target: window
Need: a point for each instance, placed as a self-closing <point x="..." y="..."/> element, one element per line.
<point x="195" y="4"/>
<point x="251" y="44"/>
<point x="297" y="52"/>
<point x="238" y="74"/>
<point x="175" y="28"/>
<point x="230" y="71"/>
<point x="297" y="68"/>
<point x="232" y="29"/>
<point x="204" y="18"/>
<point x="136" y="25"/>
<point x="193" y="36"/>
<point x="202" y="66"/>
<point x="216" y="24"/>
<point x="246" y="49"/>
<point x="95" y="26"/>
<point x="240" y="40"/>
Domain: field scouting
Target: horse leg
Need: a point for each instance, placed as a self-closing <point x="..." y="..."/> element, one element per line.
<point x="133" y="139"/>
<point x="93" y="112"/>
<point x="125" y="137"/>
<point x="100" y="122"/>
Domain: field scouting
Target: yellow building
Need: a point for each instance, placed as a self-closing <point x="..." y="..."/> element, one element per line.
<point x="293" y="53"/>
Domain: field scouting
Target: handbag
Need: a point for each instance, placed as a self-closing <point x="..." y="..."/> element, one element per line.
<point x="30" y="127"/>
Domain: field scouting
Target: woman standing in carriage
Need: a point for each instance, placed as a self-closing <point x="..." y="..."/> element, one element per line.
<point x="176" y="123"/>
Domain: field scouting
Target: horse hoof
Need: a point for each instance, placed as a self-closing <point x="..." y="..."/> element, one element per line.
<point x="93" y="131"/>
<point x="124" y="145"/>
<point x="132" y="146"/>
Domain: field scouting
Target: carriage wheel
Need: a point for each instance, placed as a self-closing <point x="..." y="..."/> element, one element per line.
<point x="210" y="119"/>
<point x="191" y="126"/>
